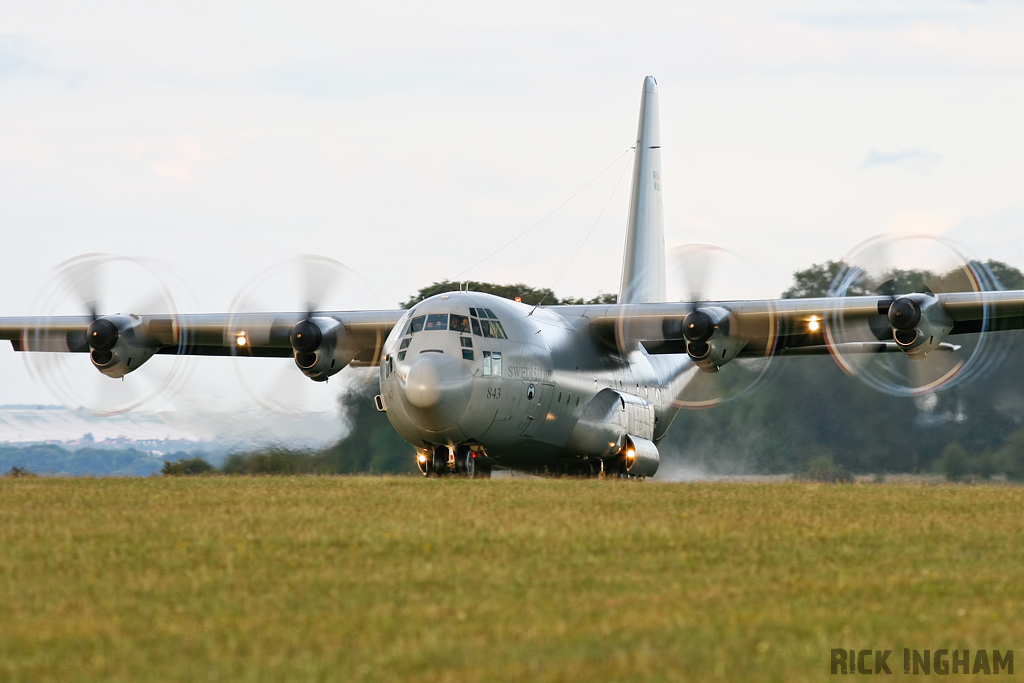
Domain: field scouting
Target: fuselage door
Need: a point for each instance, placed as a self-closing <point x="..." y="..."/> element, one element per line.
<point x="538" y="401"/>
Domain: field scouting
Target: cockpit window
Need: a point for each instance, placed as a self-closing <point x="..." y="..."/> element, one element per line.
<point x="408" y="323"/>
<point x="416" y="324"/>
<point x="486" y="328"/>
<point x="437" y="321"/>
<point x="459" y="323"/>
<point x="490" y="313"/>
<point x="493" y="329"/>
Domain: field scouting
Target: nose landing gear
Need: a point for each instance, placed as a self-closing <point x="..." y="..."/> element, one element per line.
<point x="464" y="460"/>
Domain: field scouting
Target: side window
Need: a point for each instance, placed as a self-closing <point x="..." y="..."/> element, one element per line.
<point x="437" y="321"/>
<point x="405" y="343"/>
<point x="416" y="324"/>
<point x="467" y="354"/>
<point x="476" y="327"/>
<point x="467" y="342"/>
<point x="492" y="363"/>
<point x="458" y="323"/>
<point x="498" y="330"/>
<point x="486" y="326"/>
<point x="401" y="355"/>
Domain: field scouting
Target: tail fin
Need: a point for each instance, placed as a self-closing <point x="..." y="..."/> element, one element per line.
<point x="643" y="260"/>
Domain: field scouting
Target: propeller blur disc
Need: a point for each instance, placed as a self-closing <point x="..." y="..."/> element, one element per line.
<point x="888" y="266"/>
<point x="707" y="275"/>
<point x="93" y="285"/>
<point x="305" y="285"/>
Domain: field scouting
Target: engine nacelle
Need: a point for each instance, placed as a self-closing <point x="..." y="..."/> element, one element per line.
<point x="322" y="347"/>
<point x="919" y="322"/>
<point x="609" y="420"/>
<point x="708" y="342"/>
<point x="642" y="457"/>
<point x="119" y="344"/>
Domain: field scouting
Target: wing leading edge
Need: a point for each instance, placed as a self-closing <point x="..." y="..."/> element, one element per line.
<point x="258" y="335"/>
<point x="793" y="326"/>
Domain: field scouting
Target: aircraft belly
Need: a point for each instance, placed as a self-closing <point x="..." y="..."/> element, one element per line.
<point x="521" y="451"/>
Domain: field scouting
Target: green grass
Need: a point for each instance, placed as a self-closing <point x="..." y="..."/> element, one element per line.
<point x="382" y="579"/>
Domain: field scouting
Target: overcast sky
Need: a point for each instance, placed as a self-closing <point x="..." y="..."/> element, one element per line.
<point x="410" y="140"/>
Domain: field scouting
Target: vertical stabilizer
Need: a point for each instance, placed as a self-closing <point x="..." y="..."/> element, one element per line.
<point x="643" y="260"/>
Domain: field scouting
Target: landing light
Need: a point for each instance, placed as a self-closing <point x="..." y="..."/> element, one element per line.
<point x="422" y="458"/>
<point x="241" y="339"/>
<point x="813" y="325"/>
<point x="630" y="454"/>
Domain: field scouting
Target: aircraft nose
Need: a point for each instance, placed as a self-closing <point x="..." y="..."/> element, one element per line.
<point x="437" y="389"/>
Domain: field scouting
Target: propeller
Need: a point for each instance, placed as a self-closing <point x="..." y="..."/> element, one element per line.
<point x="706" y="277"/>
<point x="890" y="267"/>
<point x="311" y="286"/>
<point x="92" y="286"/>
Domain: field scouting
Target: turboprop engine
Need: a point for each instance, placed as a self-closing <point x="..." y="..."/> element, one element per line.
<point x="119" y="344"/>
<point x="919" y="323"/>
<point x="617" y="428"/>
<point x="322" y="347"/>
<point x="708" y="342"/>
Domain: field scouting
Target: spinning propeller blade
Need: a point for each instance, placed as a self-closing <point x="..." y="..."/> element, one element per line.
<point x="306" y="284"/>
<point x="892" y="266"/>
<point x="91" y="286"/>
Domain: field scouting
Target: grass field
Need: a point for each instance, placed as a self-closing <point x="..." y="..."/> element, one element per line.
<point x="381" y="579"/>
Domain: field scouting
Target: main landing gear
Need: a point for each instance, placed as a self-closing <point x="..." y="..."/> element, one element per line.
<point x="462" y="460"/>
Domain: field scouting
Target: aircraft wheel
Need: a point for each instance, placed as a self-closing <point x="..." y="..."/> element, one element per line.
<point x="465" y="463"/>
<point x="439" y="461"/>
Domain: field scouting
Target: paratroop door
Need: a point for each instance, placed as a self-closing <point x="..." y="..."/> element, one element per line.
<point x="537" y="405"/>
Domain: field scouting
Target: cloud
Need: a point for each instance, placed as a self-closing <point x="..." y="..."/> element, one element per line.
<point x="915" y="159"/>
<point x="365" y="81"/>
<point x="186" y="155"/>
<point x="16" y="58"/>
<point x="21" y="59"/>
<point x="869" y="21"/>
<point x="921" y="222"/>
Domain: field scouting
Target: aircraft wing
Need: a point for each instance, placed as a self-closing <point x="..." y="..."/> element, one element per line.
<point x="259" y="335"/>
<point x="797" y="326"/>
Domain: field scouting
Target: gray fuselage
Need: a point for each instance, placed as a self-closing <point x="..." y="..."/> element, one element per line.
<point x="521" y="397"/>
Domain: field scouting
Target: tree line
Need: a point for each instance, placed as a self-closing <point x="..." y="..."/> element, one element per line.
<point x="806" y="416"/>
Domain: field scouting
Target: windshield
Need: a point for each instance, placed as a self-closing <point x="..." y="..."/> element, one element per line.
<point x="437" y="321"/>
<point x="481" y="322"/>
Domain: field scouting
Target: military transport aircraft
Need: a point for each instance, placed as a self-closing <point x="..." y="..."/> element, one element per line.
<point x="474" y="381"/>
